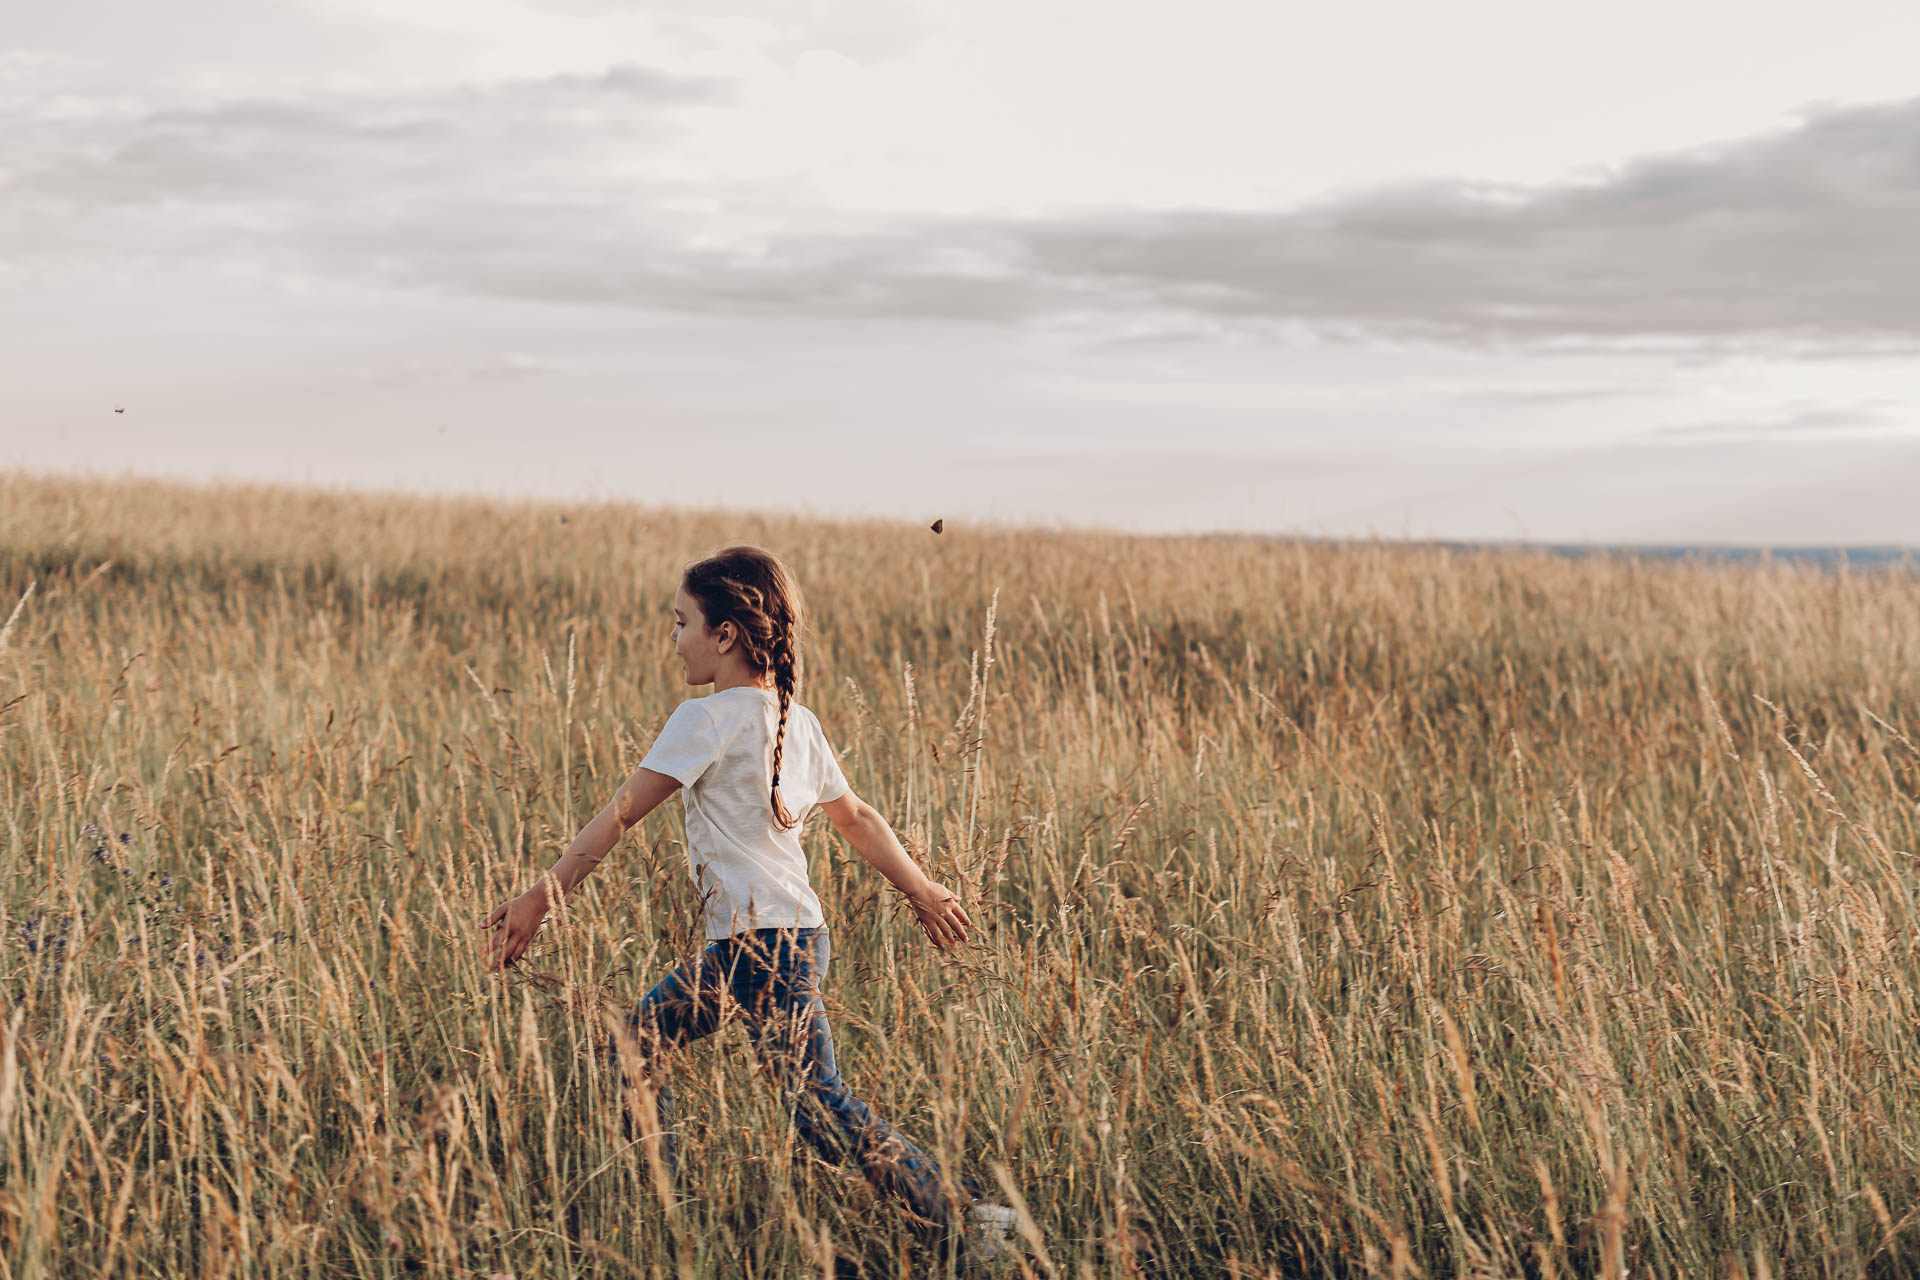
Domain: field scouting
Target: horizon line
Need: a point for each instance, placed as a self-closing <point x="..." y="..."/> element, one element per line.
<point x="1874" y="551"/>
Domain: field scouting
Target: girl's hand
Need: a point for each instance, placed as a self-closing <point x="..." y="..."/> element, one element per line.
<point x="940" y="914"/>
<point x="517" y="922"/>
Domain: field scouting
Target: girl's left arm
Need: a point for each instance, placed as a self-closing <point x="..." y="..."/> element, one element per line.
<point x="521" y="917"/>
<point x="934" y="905"/>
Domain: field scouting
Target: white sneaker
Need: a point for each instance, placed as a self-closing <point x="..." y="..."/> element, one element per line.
<point x="990" y="1230"/>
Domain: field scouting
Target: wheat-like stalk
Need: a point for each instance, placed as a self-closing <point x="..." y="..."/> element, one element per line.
<point x="1344" y="909"/>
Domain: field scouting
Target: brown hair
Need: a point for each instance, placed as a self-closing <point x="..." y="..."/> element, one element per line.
<point x="752" y="589"/>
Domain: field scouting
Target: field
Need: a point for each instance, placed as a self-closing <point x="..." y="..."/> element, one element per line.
<point x="1347" y="910"/>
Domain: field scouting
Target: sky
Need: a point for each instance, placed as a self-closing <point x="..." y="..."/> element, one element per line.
<point x="1639" y="272"/>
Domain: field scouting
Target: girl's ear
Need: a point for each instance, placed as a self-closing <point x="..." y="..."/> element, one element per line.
<point x="726" y="636"/>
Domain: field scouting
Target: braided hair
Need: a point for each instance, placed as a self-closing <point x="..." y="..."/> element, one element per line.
<point x="752" y="589"/>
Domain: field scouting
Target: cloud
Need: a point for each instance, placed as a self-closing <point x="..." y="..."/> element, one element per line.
<point x="1810" y="235"/>
<point x="568" y="189"/>
<point x="510" y="366"/>
<point x="1799" y="418"/>
<point x="867" y="30"/>
<point x="292" y="178"/>
<point x="1547" y="397"/>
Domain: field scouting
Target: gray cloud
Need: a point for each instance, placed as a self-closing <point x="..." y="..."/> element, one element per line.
<point x="1807" y="239"/>
<point x="1799" y="418"/>
<point x="866" y="30"/>
<point x="1810" y="235"/>
<point x="287" y="177"/>
<point x="1534" y="396"/>
<point x="511" y="366"/>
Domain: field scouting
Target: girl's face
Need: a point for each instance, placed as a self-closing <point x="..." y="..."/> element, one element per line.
<point x="699" y="649"/>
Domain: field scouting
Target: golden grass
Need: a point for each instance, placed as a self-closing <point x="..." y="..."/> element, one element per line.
<point x="1349" y="910"/>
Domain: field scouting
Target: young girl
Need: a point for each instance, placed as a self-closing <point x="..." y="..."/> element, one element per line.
<point x="753" y="762"/>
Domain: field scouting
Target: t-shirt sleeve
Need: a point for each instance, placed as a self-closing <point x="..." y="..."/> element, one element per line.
<point x="687" y="744"/>
<point x="833" y="783"/>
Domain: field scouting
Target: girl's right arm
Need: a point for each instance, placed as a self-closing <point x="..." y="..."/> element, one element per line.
<point x="521" y="917"/>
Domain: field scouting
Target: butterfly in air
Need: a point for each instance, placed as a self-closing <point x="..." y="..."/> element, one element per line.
<point x="937" y="525"/>
<point x="119" y="409"/>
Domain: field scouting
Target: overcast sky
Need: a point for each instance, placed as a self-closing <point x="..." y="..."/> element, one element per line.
<point x="1623" y="272"/>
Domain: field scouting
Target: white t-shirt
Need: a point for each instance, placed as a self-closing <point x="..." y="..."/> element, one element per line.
<point x="748" y="872"/>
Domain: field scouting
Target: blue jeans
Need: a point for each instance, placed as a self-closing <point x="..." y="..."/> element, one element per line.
<point x="771" y="979"/>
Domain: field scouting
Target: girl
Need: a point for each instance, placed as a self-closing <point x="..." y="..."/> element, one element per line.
<point x="753" y="762"/>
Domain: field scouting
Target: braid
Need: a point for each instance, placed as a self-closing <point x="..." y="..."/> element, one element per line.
<point x="783" y="680"/>
<point x="752" y="589"/>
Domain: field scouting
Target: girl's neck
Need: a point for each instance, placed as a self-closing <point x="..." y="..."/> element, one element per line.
<point x="732" y="680"/>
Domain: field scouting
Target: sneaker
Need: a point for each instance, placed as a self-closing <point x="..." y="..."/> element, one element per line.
<point x="989" y="1235"/>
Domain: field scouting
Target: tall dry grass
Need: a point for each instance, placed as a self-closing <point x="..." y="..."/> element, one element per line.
<point x="1348" y="910"/>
